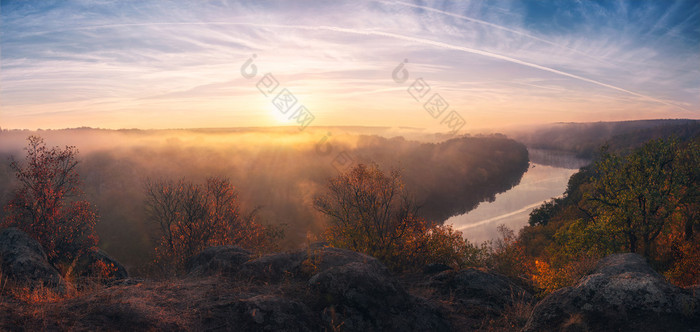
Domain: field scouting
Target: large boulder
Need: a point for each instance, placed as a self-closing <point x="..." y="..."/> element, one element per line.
<point x="98" y="264"/>
<point x="23" y="261"/>
<point x="301" y="264"/>
<point x="359" y="285"/>
<point x="478" y="291"/>
<point x="273" y="268"/>
<point x="361" y="296"/>
<point x="622" y="293"/>
<point x="346" y="290"/>
<point x="323" y="258"/>
<point x="221" y="260"/>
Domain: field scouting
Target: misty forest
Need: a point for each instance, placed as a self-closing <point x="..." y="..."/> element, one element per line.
<point x="275" y="179"/>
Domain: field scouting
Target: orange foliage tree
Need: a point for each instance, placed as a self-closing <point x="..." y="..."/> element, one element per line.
<point x="47" y="204"/>
<point x="192" y="217"/>
<point x="643" y="201"/>
<point x="506" y="255"/>
<point x="372" y="213"/>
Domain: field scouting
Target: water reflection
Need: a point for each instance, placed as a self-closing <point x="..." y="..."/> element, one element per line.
<point x="557" y="159"/>
<point x="547" y="177"/>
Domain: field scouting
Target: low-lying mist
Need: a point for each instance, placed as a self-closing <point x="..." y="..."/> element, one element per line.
<point x="279" y="170"/>
<point x="585" y="139"/>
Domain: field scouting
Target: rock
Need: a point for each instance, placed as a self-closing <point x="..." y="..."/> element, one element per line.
<point x="352" y="291"/>
<point x="97" y="264"/>
<point x="479" y="292"/>
<point x="695" y="290"/>
<point x="435" y="268"/>
<point x="23" y="260"/>
<point x="361" y="296"/>
<point x="272" y="268"/>
<point x="221" y="260"/>
<point x="325" y="258"/>
<point x="302" y="264"/>
<point x="359" y="285"/>
<point x="622" y="293"/>
<point x="624" y="263"/>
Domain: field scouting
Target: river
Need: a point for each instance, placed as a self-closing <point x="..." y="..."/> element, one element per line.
<point x="547" y="177"/>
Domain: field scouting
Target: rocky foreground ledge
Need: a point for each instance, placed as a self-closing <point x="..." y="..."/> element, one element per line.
<point x="623" y="293"/>
<point x="322" y="288"/>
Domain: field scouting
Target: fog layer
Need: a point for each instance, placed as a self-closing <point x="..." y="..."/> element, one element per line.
<point x="279" y="170"/>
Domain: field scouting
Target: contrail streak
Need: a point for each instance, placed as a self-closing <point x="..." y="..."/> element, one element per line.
<point x="487" y="54"/>
<point x="400" y="37"/>
<point x="496" y="26"/>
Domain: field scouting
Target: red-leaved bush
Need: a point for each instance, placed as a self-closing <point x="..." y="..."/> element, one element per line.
<point x="47" y="204"/>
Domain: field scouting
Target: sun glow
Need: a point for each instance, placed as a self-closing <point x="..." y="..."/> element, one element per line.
<point x="275" y="116"/>
<point x="280" y="118"/>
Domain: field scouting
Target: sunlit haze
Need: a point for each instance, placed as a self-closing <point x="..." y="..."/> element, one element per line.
<point x="157" y="64"/>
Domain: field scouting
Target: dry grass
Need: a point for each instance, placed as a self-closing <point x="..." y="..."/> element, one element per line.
<point x="179" y="304"/>
<point x="159" y="305"/>
<point x="176" y="304"/>
<point x="512" y="318"/>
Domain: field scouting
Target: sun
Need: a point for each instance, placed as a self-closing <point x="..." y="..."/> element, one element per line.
<point x="276" y="116"/>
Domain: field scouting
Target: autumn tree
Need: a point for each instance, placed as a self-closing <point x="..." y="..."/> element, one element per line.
<point x="643" y="201"/>
<point x="634" y="196"/>
<point x="681" y="240"/>
<point x="543" y="213"/>
<point x="372" y="213"/>
<point x="192" y="217"/>
<point x="689" y="197"/>
<point x="442" y="244"/>
<point x="48" y="204"/>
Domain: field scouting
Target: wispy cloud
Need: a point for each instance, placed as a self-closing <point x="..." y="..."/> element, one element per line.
<point x="128" y="64"/>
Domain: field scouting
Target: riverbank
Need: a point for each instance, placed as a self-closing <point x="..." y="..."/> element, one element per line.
<point x="547" y="177"/>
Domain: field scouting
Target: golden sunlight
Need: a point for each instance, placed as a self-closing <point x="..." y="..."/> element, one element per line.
<point x="277" y="118"/>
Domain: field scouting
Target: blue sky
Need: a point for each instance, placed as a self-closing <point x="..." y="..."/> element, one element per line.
<point x="174" y="64"/>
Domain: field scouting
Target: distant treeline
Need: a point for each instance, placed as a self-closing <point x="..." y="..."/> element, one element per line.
<point x="452" y="177"/>
<point x="585" y="139"/>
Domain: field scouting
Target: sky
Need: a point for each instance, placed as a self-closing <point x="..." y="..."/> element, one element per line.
<point x="453" y="66"/>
